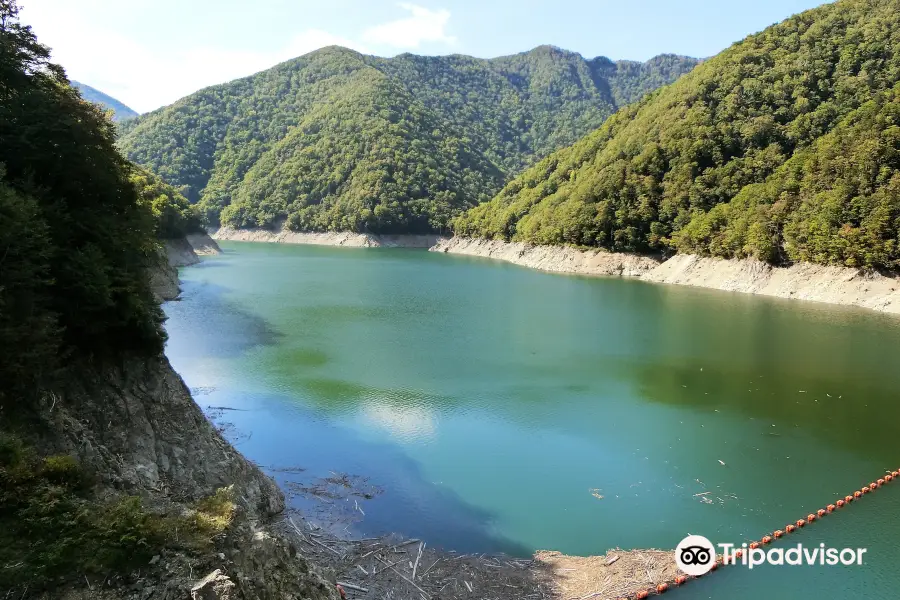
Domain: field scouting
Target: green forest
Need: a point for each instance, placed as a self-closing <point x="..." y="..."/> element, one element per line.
<point x="336" y="140"/>
<point x="783" y="147"/>
<point x="76" y="233"/>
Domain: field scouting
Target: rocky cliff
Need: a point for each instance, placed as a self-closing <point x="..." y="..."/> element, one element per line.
<point x="138" y="432"/>
<point x="179" y="252"/>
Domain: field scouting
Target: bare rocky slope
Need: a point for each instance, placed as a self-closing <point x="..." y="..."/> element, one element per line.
<point x="804" y="281"/>
<point x="330" y="238"/>
<point x="139" y="431"/>
<point x="180" y="252"/>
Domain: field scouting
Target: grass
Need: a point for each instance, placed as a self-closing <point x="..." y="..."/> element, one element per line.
<point x="52" y="529"/>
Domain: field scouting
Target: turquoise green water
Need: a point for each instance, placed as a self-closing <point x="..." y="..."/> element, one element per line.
<point x="491" y="403"/>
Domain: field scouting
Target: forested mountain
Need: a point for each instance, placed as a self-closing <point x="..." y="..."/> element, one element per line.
<point x="338" y="140"/>
<point x="120" y="111"/>
<point x="783" y="147"/>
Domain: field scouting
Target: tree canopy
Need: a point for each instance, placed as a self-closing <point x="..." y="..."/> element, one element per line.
<point x="75" y="240"/>
<point x="335" y="140"/>
<point x="782" y="147"/>
<point x="173" y="215"/>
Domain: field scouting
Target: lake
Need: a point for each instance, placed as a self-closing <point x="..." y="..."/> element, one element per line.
<point x="487" y="407"/>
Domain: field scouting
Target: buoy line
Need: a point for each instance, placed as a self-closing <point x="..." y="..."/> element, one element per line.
<point x="771" y="537"/>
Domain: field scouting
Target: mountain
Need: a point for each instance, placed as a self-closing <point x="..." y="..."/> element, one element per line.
<point x="783" y="147"/>
<point x="120" y="111"/>
<point x="336" y="140"/>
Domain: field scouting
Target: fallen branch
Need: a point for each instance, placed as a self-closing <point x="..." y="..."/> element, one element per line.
<point x="376" y="571"/>
<point x="418" y="556"/>
<point x="315" y="541"/>
<point x="404" y="577"/>
<point x="350" y="586"/>
<point x="422" y="576"/>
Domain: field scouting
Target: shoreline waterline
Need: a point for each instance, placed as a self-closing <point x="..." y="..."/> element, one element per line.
<point x="802" y="281"/>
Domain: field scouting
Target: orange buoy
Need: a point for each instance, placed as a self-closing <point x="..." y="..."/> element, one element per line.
<point x="848" y="499"/>
<point x="810" y="518"/>
<point x="778" y="533"/>
<point x="821" y="512"/>
<point x="880" y="482"/>
<point x="661" y="588"/>
<point x="642" y="594"/>
<point x="830" y="508"/>
<point x="800" y="522"/>
<point x="865" y="490"/>
<point x="790" y="528"/>
<point x="840" y="503"/>
<point x="895" y="474"/>
<point x="680" y="579"/>
<point x="767" y="539"/>
<point x="872" y="486"/>
<point x="754" y="545"/>
<point x="857" y="494"/>
<point x="888" y="477"/>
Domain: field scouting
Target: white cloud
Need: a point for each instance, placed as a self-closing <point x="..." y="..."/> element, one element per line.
<point x="408" y="424"/>
<point x="423" y="25"/>
<point x="148" y="73"/>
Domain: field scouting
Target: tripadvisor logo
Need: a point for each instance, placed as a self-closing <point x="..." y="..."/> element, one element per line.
<point x="696" y="555"/>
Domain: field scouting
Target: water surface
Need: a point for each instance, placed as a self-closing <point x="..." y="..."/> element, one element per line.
<point x="492" y="404"/>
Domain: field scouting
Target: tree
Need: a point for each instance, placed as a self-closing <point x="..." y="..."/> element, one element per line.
<point x="73" y="280"/>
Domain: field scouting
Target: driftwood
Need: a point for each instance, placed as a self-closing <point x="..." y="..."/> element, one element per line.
<point x="418" y="557"/>
<point x="404" y="577"/>
<point x="351" y="586"/>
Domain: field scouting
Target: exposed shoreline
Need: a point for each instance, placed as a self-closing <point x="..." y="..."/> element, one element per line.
<point x="332" y="238"/>
<point x="803" y="281"/>
<point x="179" y="252"/>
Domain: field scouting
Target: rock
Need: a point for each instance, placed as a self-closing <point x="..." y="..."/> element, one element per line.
<point x="203" y="245"/>
<point x="215" y="586"/>
<point x="330" y="238"/>
<point x="154" y="560"/>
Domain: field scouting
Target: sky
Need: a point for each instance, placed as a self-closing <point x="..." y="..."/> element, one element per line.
<point x="149" y="53"/>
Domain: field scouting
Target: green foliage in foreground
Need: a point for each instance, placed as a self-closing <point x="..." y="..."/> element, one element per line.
<point x="52" y="528"/>
<point x="75" y="240"/>
<point x="335" y="140"/>
<point x="49" y="528"/>
<point x="782" y="147"/>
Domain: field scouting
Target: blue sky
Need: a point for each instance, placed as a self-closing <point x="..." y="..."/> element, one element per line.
<point x="148" y="53"/>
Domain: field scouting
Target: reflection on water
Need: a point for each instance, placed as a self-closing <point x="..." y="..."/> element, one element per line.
<point x="489" y="401"/>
